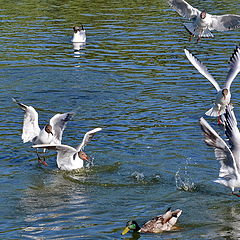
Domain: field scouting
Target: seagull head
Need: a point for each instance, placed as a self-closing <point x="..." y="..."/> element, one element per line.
<point x="203" y="14"/>
<point x="83" y="156"/>
<point x="225" y="92"/>
<point x="76" y="29"/>
<point x="48" y="129"/>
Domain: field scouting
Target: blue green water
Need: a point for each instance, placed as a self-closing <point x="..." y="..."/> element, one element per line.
<point x="133" y="80"/>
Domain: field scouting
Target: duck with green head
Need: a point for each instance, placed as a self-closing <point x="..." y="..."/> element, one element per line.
<point x="158" y="224"/>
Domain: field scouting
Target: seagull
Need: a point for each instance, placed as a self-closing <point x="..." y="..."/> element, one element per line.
<point x="79" y="35"/>
<point x="223" y="96"/>
<point x="202" y="22"/>
<point x="69" y="158"/>
<point x="51" y="132"/>
<point x="229" y="156"/>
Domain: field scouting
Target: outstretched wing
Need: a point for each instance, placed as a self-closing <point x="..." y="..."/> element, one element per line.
<point x="234" y="64"/>
<point x="222" y="151"/>
<point x="57" y="147"/>
<point x="225" y="22"/>
<point x="87" y="138"/>
<point x="30" y="123"/>
<point x="232" y="131"/>
<point x="184" y="9"/>
<point x="58" y="123"/>
<point x="201" y="68"/>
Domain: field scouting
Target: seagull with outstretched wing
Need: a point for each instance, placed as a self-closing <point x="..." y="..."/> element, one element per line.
<point x="69" y="158"/>
<point x="51" y="132"/>
<point x="223" y="96"/>
<point x="227" y="154"/>
<point x="202" y="23"/>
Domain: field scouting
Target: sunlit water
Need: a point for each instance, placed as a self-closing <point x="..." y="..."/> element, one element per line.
<point x="133" y="80"/>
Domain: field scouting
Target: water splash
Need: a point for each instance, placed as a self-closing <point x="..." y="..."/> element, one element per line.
<point x="184" y="181"/>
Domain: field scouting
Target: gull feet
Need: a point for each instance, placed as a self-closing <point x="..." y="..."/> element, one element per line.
<point x="235" y="194"/>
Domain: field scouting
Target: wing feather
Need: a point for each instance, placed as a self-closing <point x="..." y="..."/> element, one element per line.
<point x="184" y="9"/>
<point x="234" y="64"/>
<point x="87" y="138"/>
<point x="201" y="68"/>
<point x="30" y="123"/>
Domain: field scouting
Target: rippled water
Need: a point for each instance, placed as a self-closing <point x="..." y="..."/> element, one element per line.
<point x="133" y="80"/>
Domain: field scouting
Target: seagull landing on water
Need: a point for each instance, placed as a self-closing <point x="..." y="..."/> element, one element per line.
<point x="229" y="157"/>
<point x="69" y="158"/>
<point x="223" y="95"/>
<point x="202" y="22"/>
<point x="50" y="134"/>
<point x="79" y="35"/>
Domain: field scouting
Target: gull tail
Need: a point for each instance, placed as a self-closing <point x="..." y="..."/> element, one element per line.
<point x="190" y="28"/>
<point x="214" y="112"/>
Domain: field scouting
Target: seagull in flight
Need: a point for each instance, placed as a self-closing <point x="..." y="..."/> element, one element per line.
<point x="202" y="22"/>
<point x="69" y="158"/>
<point x="51" y="132"/>
<point x="223" y="96"/>
<point x="227" y="154"/>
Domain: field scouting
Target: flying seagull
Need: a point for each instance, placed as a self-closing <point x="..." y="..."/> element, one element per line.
<point x="223" y="96"/>
<point x="229" y="156"/>
<point x="202" y="22"/>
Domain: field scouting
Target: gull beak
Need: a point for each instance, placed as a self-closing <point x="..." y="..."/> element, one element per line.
<point x="126" y="230"/>
<point x="84" y="156"/>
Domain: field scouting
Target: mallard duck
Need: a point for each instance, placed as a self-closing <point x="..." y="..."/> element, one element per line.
<point x="158" y="224"/>
<point x="69" y="158"/>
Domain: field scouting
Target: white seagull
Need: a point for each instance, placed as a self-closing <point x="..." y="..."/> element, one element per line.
<point x="69" y="158"/>
<point x="52" y="131"/>
<point x="223" y="96"/>
<point x="79" y="35"/>
<point x="229" y="157"/>
<point x="202" y="22"/>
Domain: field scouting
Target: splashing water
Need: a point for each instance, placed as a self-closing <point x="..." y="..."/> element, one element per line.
<point x="184" y="182"/>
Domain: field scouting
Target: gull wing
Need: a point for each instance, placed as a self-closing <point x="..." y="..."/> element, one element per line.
<point x="184" y="9"/>
<point x="234" y="64"/>
<point x="232" y="131"/>
<point x="57" y="147"/>
<point x="201" y="68"/>
<point x="222" y="151"/>
<point x="225" y="22"/>
<point x="65" y="153"/>
<point x="30" y="123"/>
<point x="58" y="123"/>
<point x="87" y="138"/>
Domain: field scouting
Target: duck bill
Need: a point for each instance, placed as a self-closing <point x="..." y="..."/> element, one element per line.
<point x="126" y="230"/>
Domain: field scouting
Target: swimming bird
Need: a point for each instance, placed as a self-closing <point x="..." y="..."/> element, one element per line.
<point x="51" y="132"/>
<point x="203" y="23"/>
<point x="229" y="156"/>
<point x="223" y="96"/>
<point x="69" y="158"/>
<point x="79" y="35"/>
<point x="158" y="224"/>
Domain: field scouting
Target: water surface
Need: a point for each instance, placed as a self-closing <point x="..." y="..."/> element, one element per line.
<point x="133" y="80"/>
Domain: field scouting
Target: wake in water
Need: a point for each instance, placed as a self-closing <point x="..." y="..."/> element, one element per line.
<point x="184" y="181"/>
